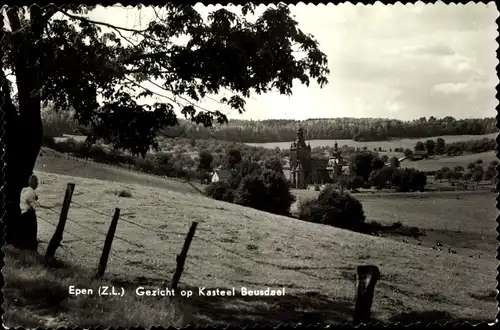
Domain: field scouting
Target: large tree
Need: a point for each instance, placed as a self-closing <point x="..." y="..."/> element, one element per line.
<point x="59" y="55"/>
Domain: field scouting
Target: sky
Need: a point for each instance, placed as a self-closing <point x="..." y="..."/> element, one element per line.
<point x="391" y="61"/>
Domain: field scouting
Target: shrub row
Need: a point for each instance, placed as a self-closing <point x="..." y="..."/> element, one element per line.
<point x="161" y="163"/>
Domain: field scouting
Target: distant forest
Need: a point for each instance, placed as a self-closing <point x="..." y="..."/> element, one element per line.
<point x="282" y="130"/>
<point x="358" y="129"/>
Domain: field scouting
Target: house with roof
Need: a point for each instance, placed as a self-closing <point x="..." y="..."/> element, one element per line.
<point x="220" y="175"/>
<point x="419" y="155"/>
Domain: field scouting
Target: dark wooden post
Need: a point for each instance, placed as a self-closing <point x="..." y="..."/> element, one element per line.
<point x="57" y="237"/>
<point x="366" y="278"/>
<point x="107" y="244"/>
<point x="181" y="258"/>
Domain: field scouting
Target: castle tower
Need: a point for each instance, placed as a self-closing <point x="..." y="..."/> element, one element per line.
<point x="300" y="161"/>
<point x="337" y="161"/>
<point x="301" y="184"/>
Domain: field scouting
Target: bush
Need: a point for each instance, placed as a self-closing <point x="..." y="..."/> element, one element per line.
<point x="408" y="153"/>
<point x="268" y="191"/>
<point x="355" y="183"/>
<point x="98" y="154"/>
<point x="307" y="210"/>
<point x="380" y="178"/>
<point x="409" y="179"/>
<point x="144" y="165"/>
<point x="252" y="193"/>
<point x="220" y="191"/>
<point x="335" y="209"/>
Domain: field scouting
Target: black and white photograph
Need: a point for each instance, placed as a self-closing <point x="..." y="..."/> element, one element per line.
<point x="251" y="164"/>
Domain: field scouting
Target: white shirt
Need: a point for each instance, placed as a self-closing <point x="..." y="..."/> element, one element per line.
<point x="28" y="199"/>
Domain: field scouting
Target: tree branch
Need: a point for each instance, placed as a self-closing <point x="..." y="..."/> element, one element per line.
<point x="182" y="98"/>
<point x="88" y="20"/>
<point x="147" y="89"/>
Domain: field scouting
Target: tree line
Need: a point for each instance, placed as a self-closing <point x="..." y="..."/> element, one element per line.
<point x="475" y="171"/>
<point x="357" y="129"/>
<point x="440" y="147"/>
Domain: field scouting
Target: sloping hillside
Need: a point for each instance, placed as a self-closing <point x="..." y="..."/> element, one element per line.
<point x="236" y="246"/>
<point x="51" y="161"/>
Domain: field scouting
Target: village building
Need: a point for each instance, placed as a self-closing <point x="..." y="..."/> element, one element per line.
<point x="220" y="175"/>
<point x="419" y="155"/>
<point x="304" y="170"/>
<point x="337" y="165"/>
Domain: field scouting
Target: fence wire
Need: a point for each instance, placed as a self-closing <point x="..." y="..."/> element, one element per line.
<point x="126" y="219"/>
<point x="128" y="262"/>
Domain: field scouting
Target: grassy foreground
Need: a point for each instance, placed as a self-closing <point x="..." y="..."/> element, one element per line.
<point x="236" y="247"/>
<point x="36" y="295"/>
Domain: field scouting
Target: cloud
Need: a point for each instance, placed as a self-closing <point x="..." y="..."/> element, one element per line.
<point x="438" y="49"/>
<point x="450" y="88"/>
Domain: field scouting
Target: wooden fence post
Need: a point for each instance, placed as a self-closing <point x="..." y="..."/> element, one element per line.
<point x="107" y="244"/>
<point x="57" y="237"/>
<point x="181" y="258"/>
<point x="366" y="278"/>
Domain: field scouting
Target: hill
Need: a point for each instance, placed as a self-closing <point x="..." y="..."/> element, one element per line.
<point x="386" y="145"/>
<point x="359" y="129"/>
<point x="236" y="246"/>
<point x="51" y="161"/>
<point x="437" y="162"/>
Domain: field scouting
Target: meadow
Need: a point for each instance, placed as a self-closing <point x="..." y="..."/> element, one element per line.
<point x="236" y="246"/>
<point x="386" y="145"/>
<point x="435" y="163"/>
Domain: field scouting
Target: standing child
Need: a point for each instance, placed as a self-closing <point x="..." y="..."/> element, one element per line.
<point x="28" y="227"/>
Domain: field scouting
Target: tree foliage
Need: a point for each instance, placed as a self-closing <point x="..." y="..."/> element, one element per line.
<point x="430" y="146"/>
<point x="419" y="146"/>
<point x="394" y="162"/>
<point x="359" y="129"/>
<point x="233" y="158"/>
<point x="205" y="161"/>
<point x="440" y="144"/>
<point x="362" y="164"/>
<point x="59" y="56"/>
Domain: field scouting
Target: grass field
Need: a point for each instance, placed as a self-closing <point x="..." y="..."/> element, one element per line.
<point x="54" y="162"/>
<point x="437" y="162"/>
<point x="386" y="145"/>
<point x="236" y="246"/>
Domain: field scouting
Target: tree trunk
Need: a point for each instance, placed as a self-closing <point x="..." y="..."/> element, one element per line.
<point x="23" y="128"/>
<point x="13" y="181"/>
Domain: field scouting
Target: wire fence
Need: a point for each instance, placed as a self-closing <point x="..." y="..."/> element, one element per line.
<point x="97" y="233"/>
<point x="366" y="276"/>
<point x="125" y="218"/>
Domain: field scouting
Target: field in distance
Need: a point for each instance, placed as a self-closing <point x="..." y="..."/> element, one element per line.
<point x="435" y="163"/>
<point x="386" y="145"/>
<point x="236" y="246"/>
